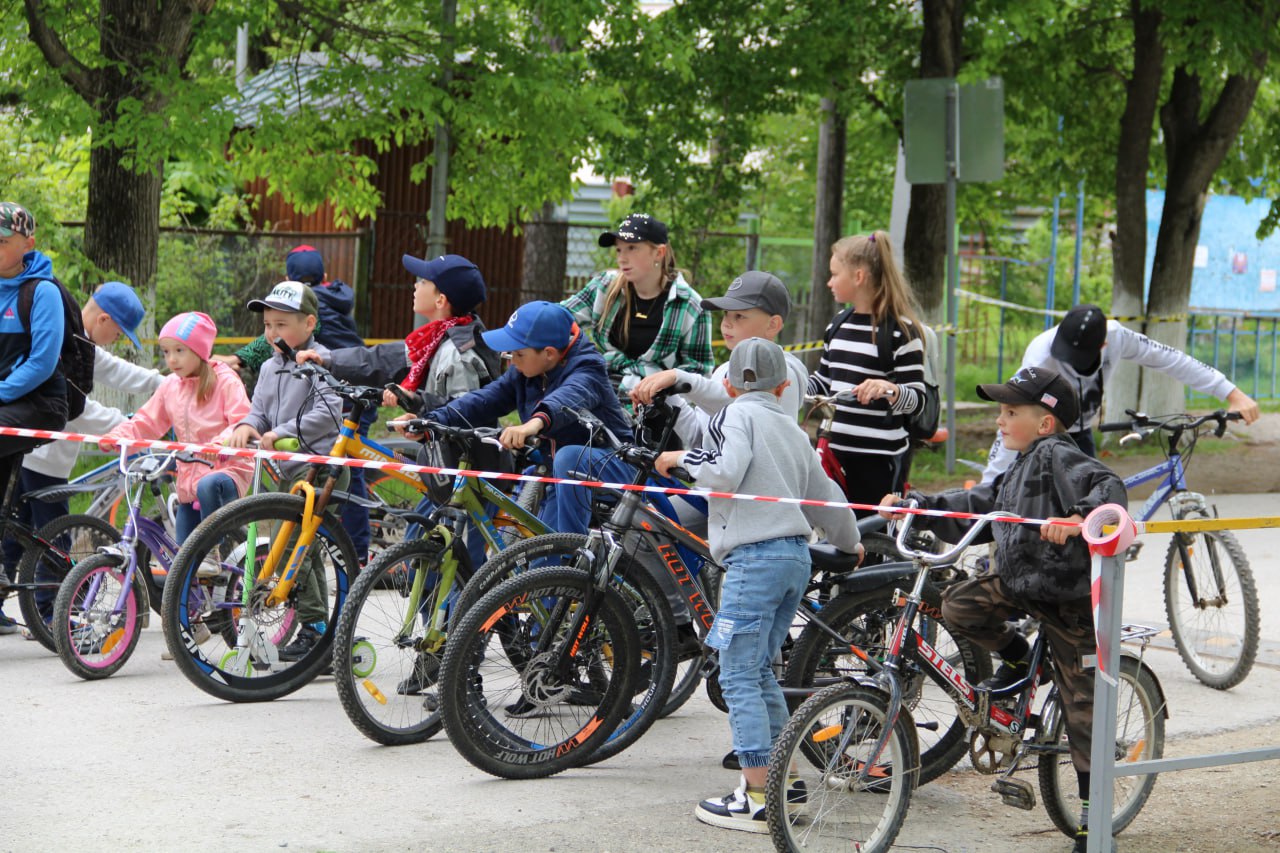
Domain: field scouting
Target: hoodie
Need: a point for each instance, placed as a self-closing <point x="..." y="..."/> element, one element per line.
<point x="29" y="357"/>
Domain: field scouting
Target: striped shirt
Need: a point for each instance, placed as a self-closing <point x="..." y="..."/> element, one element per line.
<point x="851" y="357"/>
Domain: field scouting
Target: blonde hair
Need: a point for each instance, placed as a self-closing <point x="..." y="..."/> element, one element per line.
<point x="890" y="295"/>
<point x="618" y="287"/>
<point x="205" y="382"/>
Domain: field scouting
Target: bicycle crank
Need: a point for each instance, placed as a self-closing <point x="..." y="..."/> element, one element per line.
<point x="990" y="753"/>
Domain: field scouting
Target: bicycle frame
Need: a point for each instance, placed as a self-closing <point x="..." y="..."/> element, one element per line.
<point x="1175" y="480"/>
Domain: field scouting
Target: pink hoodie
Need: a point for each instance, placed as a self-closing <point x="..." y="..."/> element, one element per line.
<point x="174" y="405"/>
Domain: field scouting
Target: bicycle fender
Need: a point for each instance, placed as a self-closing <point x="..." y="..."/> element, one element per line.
<point x="1142" y="665"/>
<point x="874" y="577"/>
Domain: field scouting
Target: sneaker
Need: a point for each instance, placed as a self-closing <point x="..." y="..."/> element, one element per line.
<point x="522" y="709"/>
<point x="426" y="671"/>
<point x="308" y="638"/>
<point x="1009" y="674"/>
<point x="210" y="566"/>
<point x="797" y="791"/>
<point x="1081" y="840"/>
<point x="735" y="810"/>
<point x="7" y="625"/>
<point x="730" y="761"/>
<point x="688" y="646"/>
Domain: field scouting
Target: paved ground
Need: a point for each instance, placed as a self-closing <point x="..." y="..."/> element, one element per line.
<point x="144" y="761"/>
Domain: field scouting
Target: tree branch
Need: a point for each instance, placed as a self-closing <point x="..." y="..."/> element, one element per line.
<point x="78" y="77"/>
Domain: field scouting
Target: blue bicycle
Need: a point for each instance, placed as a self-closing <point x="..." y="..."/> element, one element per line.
<point x="1209" y="592"/>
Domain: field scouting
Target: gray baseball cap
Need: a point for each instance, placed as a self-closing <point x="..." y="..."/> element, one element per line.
<point x="757" y="365"/>
<point x="754" y="289"/>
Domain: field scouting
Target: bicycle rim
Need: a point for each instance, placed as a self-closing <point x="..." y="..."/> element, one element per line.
<point x="94" y="636"/>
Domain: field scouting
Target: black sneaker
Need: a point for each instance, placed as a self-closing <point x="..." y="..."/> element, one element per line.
<point x="730" y="761"/>
<point x="308" y="638"/>
<point x="734" y="810"/>
<point x="1082" y="840"/>
<point x="426" y="672"/>
<point x="688" y="646"/>
<point x="1009" y="674"/>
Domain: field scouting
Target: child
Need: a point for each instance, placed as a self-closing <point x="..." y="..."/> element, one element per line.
<point x="113" y="310"/>
<point x="757" y="448"/>
<point x="287" y="407"/>
<point x="200" y="400"/>
<point x="1042" y="571"/>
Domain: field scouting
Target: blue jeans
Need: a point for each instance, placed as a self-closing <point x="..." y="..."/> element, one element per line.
<point x="763" y="584"/>
<point x="567" y="509"/>
<point x="214" y="491"/>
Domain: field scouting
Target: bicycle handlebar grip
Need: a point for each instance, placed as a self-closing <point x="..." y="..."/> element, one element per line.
<point x="289" y="354"/>
<point x="1127" y="426"/>
<point x="680" y="474"/>
<point x="1115" y="542"/>
<point x="287" y="444"/>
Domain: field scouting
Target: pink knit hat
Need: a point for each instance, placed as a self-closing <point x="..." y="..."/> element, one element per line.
<point x="194" y="329"/>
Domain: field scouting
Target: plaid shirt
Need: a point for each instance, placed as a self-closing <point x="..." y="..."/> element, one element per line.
<point x="683" y="341"/>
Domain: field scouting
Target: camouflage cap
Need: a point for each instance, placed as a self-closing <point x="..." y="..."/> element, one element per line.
<point x="14" y="219"/>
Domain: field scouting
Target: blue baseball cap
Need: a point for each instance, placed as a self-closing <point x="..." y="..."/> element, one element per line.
<point x="454" y="276"/>
<point x="119" y="302"/>
<point x="537" y="325"/>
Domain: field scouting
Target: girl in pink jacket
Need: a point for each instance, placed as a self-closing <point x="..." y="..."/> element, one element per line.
<point x="200" y="400"/>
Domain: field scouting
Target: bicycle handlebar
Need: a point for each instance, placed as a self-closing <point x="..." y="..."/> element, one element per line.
<point x="633" y="454"/>
<point x="486" y="435"/>
<point x="1142" y="425"/>
<point x="310" y="370"/>
<point x="948" y="556"/>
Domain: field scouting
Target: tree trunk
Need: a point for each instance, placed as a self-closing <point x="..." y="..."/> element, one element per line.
<point x="827" y="218"/>
<point x="546" y="257"/>
<point x="924" y="245"/>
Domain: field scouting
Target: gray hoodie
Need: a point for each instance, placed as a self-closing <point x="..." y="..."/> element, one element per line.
<point x="291" y="405"/>
<point x="754" y="447"/>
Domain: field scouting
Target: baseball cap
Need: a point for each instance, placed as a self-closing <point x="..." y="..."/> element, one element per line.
<point x="119" y="302"/>
<point x="454" y="276"/>
<point x="757" y="365"/>
<point x="195" y="329"/>
<point x="754" y="289"/>
<point x="1080" y="337"/>
<point x="636" y="228"/>
<point x="538" y="324"/>
<point x="304" y="264"/>
<point x="1038" y="386"/>
<point x="288" y="296"/>
<point x="14" y="219"/>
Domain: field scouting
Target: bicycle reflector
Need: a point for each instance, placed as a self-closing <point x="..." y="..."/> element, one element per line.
<point x="1122" y="533"/>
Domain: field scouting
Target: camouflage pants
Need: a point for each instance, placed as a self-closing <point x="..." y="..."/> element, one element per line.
<point x="978" y="609"/>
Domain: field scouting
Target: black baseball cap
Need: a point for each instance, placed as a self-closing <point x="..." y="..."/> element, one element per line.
<point x="637" y="228"/>
<point x="1080" y="337"/>
<point x="754" y="289"/>
<point x="1037" y="386"/>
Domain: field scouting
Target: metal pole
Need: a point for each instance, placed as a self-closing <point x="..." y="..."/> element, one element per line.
<point x="437" y="242"/>
<point x="1257" y="354"/>
<point x="1004" y="294"/>
<point x="953" y="315"/>
<point x="1273" y="358"/>
<point x="1105" y="692"/>
<point x="1075" y="276"/>
<point x="753" y="243"/>
<point x="1053" y="263"/>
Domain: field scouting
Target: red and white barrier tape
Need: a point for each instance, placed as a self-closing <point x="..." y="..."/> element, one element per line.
<point x="409" y="468"/>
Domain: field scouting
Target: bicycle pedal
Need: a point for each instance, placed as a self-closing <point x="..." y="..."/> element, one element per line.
<point x="1132" y="552"/>
<point x="1015" y="792"/>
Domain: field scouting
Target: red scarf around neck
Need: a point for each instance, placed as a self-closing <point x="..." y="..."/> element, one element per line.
<point x="422" y="344"/>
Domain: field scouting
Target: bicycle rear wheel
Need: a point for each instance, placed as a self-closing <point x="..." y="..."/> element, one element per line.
<point x="816" y="796"/>
<point x="1139" y="737"/>
<point x="387" y="680"/>
<point x="95" y="637"/>
<point x="1216" y="625"/>
<point x="204" y="616"/>
<point x="58" y="546"/>
<point x="522" y="699"/>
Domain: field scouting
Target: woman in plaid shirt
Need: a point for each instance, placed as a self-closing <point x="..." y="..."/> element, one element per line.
<point x="644" y="317"/>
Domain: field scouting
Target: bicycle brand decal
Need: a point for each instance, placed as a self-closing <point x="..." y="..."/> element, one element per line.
<point x="681" y="573"/>
<point x="949" y="672"/>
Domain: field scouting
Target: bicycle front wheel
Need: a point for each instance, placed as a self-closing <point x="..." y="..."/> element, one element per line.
<point x="387" y="679"/>
<point x="1139" y="737"/>
<point x="1212" y="604"/>
<point x="827" y="788"/>
<point x="526" y="694"/>
<point x="57" y="547"/>
<point x="94" y="630"/>
<point x="266" y="650"/>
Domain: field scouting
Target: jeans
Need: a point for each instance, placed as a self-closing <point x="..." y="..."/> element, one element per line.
<point x="214" y="491"/>
<point x="762" y="588"/>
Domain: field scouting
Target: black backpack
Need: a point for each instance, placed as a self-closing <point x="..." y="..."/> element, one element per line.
<point x="75" y="361"/>
<point x="923" y="423"/>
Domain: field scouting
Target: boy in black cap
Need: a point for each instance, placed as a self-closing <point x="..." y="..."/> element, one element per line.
<point x="1043" y="571"/>
<point x="1086" y="347"/>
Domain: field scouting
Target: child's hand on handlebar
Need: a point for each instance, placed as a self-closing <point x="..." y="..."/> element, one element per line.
<point x="644" y="392"/>
<point x="891" y="500"/>
<point x="514" y="437"/>
<point x="108" y="445"/>
<point x="1058" y="534"/>
<point x="666" y="461"/>
<point x="311" y="355"/>
<point x="404" y="426"/>
<point x="241" y="436"/>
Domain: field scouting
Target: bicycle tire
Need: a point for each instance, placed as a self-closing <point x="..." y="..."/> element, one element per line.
<point x="1139" y="737"/>
<point x="94" y="642"/>
<point x="1218" y="642"/>
<point x="868" y="620"/>
<point x="486" y="723"/>
<point x="74" y="538"/>
<point x="835" y="811"/>
<point x="651" y="613"/>
<point x="377" y="660"/>
<point x="190" y="600"/>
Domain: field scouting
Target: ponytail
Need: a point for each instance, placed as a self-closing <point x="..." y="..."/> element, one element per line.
<point x="890" y="295"/>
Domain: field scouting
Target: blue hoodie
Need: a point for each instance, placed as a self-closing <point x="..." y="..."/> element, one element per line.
<point x="29" y="359"/>
<point x="578" y="382"/>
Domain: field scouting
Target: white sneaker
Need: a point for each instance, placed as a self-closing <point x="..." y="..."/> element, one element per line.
<point x="735" y="810"/>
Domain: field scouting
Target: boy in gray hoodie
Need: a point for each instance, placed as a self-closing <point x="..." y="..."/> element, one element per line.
<point x="754" y="447"/>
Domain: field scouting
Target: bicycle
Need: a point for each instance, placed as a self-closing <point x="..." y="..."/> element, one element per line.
<point x="1209" y="592"/>
<point x="105" y="600"/>
<point x="852" y="747"/>
<point x="394" y="626"/>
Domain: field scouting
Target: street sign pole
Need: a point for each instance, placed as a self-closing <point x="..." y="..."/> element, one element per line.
<point x="953" y="272"/>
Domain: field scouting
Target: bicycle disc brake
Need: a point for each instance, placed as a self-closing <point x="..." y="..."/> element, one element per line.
<point x="542" y="686"/>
